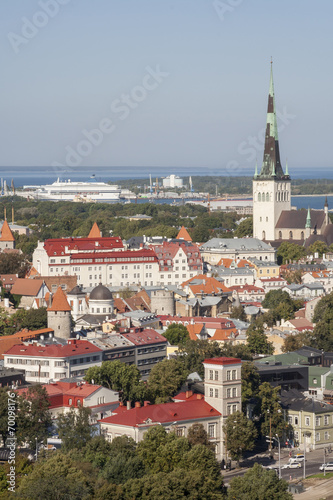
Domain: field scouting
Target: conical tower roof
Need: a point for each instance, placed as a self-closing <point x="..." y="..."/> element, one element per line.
<point x="59" y="302"/>
<point x="308" y="219"/>
<point x="271" y="165"/>
<point x="183" y="234"/>
<point x="6" y="233"/>
<point x="95" y="232"/>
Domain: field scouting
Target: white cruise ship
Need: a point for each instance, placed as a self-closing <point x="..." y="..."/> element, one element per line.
<point x="74" y="191"/>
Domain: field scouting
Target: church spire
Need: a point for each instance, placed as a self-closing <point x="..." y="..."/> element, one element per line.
<point x="271" y="165"/>
<point x="308" y="219"/>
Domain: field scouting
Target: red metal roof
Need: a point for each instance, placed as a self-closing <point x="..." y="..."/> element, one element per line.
<point x="223" y="361"/>
<point x="144" y="337"/>
<point x="162" y="413"/>
<point x="65" y="246"/>
<point x="73" y="348"/>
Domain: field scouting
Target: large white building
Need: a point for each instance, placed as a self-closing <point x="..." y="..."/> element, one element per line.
<point x="173" y="181"/>
<point x="236" y="248"/>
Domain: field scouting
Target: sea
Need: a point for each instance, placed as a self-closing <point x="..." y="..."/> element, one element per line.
<point x="36" y="176"/>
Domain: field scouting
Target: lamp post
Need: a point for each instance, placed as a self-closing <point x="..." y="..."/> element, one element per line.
<point x="270" y="430"/>
<point x="36" y="448"/>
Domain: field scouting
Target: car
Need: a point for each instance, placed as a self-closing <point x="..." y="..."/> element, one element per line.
<point x="292" y="465"/>
<point x="297" y="458"/>
<point x="328" y="466"/>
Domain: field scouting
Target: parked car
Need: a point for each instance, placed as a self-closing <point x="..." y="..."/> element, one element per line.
<point x="292" y="465"/>
<point x="328" y="466"/>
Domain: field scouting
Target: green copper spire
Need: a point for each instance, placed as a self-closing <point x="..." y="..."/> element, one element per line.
<point x="256" y="171"/>
<point x="308" y="219"/>
<point x="271" y="165"/>
<point x="287" y="171"/>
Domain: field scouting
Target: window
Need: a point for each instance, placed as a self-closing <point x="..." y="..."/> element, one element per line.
<point x="234" y="392"/>
<point x="216" y="375"/>
<point x="326" y="419"/>
<point x="234" y="408"/>
<point x="210" y="374"/>
<point x="216" y="393"/>
<point x="229" y="410"/>
<point x="234" y="374"/>
<point x="228" y="393"/>
<point x="296" y="435"/>
<point x="211" y="392"/>
<point x="180" y="431"/>
<point x="290" y="419"/>
<point x="318" y="419"/>
<point x="228" y="375"/>
<point x="296" y="420"/>
<point x="307" y="421"/>
<point x="326" y="436"/>
<point x="317" y="436"/>
<point x="70" y="401"/>
<point x="211" y="430"/>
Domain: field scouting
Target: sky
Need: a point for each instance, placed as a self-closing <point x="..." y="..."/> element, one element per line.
<point x="172" y="83"/>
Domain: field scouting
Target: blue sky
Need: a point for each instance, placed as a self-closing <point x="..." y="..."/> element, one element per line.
<point x="172" y="83"/>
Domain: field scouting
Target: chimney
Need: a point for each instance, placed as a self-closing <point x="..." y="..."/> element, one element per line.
<point x="189" y="394"/>
<point x="128" y="405"/>
<point x="199" y="396"/>
<point x="146" y="403"/>
<point x="121" y="403"/>
<point x="137" y="404"/>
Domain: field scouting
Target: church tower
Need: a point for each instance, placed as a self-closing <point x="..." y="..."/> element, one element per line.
<point x="271" y="187"/>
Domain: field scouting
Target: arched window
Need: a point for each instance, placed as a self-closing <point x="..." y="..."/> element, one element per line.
<point x="267" y="196"/>
<point x="290" y="235"/>
<point x="259" y="196"/>
<point x="302" y="235"/>
<point x="70" y="401"/>
<point x="264" y="235"/>
<point x="280" y="235"/>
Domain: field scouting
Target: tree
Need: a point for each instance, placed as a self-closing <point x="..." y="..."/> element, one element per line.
<point x="116" y="376"/>
<point x="58" y="478"/>
<point x="176" y="334"/>
<point x="33" y="417"/>
<point x="74" y="428"/>
<point x="165" y="379"/>
<point x="318" y="247"/>
<point x="274" y="298"/>
<point x="193" y="353"/>
<point x="152" y="440"/>
<point x="250" y="383"/>
<point x="245" y="228"/>
<point x="238" y="313"/>
<point x="123" y="463"/>
<point x="258" y="484"/>
<point x="288" y="252"/>
<point x="294" y="342"/>
<point x="197" y="435"/>
<point x="322" y="337"/>
<point x="257" y="340"/>
<point x="240" y="435"/>
<point x="272" y="415"/>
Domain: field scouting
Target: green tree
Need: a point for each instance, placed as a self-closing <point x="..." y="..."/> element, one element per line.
<point x="250" y="383"/>
<point x="152" y="440"/>
<point x="198" y="435"/>
<point x="238" y="313"/>
<point x="245" y="228"/>
<point x="288" y="252"/>
<point x="33" y="416"/>
<point x="74" y="428"/>
<point x="165" y="379"/>
<point x="274" y="298"/>
<point x="294" y="342"/>
<point x="258" y="484"/>
<point x="193" y="353"/>
<point x="117" y="376"/>
<point x="272" y="415"/>
<point x="322" y="337"/>
<point x="58" y="478"/>
<point x="318" y="247"/>
<point x="240" y="435"/>
<point x="122" y="463"/>
<point x="176" y="334"/>
<point x="257" y="340"/>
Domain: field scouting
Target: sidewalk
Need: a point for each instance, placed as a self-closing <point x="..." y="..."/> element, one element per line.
<point x="323" y="490"/>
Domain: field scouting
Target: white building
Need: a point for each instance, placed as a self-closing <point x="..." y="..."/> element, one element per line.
<point x="172" y="181"/>
<point x="236" y="248"/>
<point x="45" y="362"/>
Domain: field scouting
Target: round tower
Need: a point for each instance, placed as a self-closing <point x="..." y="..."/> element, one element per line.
<point x="59" y="315"/>
<point x="162" y="302"/>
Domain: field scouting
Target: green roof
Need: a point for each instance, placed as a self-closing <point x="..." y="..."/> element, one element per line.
<point x="288" y="358"/>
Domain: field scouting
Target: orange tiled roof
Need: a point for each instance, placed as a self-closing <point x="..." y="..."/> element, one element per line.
<point x="59" y="302"/>
<point x="6" y="233"/>
<point x="194" y="330"/>
<point x="95" y="232"/>
<point x="26" y="287"/>
<point x="183" y="234"/>
<point x="207" y="285"/>
<point x="222" y="335"/>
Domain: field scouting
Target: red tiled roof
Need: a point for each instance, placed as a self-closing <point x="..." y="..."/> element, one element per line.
<point x="162" y="413"/>
<point x="59" y="302"/>
<point x="65" y="246"/>
<point x="95" y="232"/>
<point x="74" y="348"/>
<point x="223" y="361"/>
<point x="120" y="305"/>
<point x="144" y="337"/>
<point x="194" y="330"/>
<point x="248" y="288"/>
<point x="183" y="234"/>
<point x="207" y="285"/>
<point x="6" y="233"/>
<point x="27" y="287"/>
<point x="223" y="334"/>
<point x="8" y="341"/>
